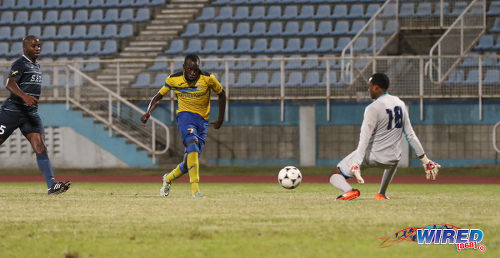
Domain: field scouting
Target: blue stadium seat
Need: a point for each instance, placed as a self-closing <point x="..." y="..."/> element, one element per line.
<point x="226" y="29"/>
<point x="194" y="46"/>
<point x="159" y="65"/>
<point x="424" y="9"/>
<point x="371" y="10"/>
<point x="407" y="10"/>
<point x="456" y="76"/>
<point x="111" y="15"/>
<point x="497" y="45"/>
<point x="275" y="29"/>
<point x="496" y="26"/>
<point x="209" y="30"/>
<point x="176" y="47"/>
<point x="244" y="79"/>
<point x="210" y="46"/>
<point x="16" y="49"/>
<point x="5" y="33"/>
<point x="340" y="11"/>
<point x="126" y="15"/>
<point x="341" y="28"/>
<point x="18" y="33"/>
<point x="312" y="79"/>
<point x="241" y="13"/>
<point x="341" y="43"/>
<point x="226" y="46"/>
<point x="127" y="3"/>
<point x="159" y="80"/>
<point x="292" y="64"/>
<point x="51" y="17"/>
<point x="258" y="29"/>
<point x="323" y="12"/>
<point x="310" y="45"/>
<point x="110" y="31"/>
<point x="243" y="29"/>
<point x="92" y="66"/>
<point x="277" y="45"/>
<point x="306" y="12"/>
<point x="333" y="79"/>
<point x="361" y="44"/>
<point x="48" y="48"/>
<point x="143" y="80"/>
<point x="225" y="13"/>
<point x="261" y="79"/>
<point x="4" y="47"/>
<point x="95" y="31"/>
<point x="110" y="47"/>
<point x="494" y="9"/>
<point x="207" y="14"/>
<point x="65" y="17"/>
<point x="458" y="8"/>
<point x="357" y="25"/>
<point x="211" y="65"/>
<point x="308" y="29"/>
<point x="326" y="45"/>
<point x="49" y="32"/>
<point x="64" y="32"/>
<point x="192" y="29"/>
<point x="82" y="4"/>
<point x="244" y="65"/>
<point x="126" y="30"/>
<point x="324" y="28"/>
<point x="290" y="12"/>
<point x="21" y="18"/>
<point x="275" y="80"/>
<point x="23" y="4"/>
<point x="273" y="13"/>
<point x="390" y="27"/>
<point x="81" y="16"/>
<point x="390" y="10"/>
<point x="36" y="17"/>
<point x="472" y="77"/>
<point x="312" y="63"/>
<point x="96" y="15"/>
<point x="294" y="79"/>
<point x="356" y="11"/>
<point x="93" y="47"/>
<point x="485" y="42"/>
<point x="258" y="13"/>
<point x="62" y="48"/>
<point x="52" y="4"/>
<point x="46" y="80"/>
<point x="492" y="77"/>
<point x="69" y="4"/>
<point x="275" y="63"/>
<point x="157" y="2"/>
<point x="259" y="46"/>
<point x="8" y="4"/>
<point x="230" y="79"/>
<point x="143" y="14"/>
<point x="78" y="48"/>
<point x="292" y="45"/>
<point x="221" y="2"/>
<point x="79" y="32"/>
<point x="260" y="64"/>
<point x="291" y="29"/>
<point x="111" y="3"/>
<point x="35" y="30"/>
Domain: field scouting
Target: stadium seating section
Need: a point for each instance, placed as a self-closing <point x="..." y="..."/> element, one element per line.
<point x="93" y="29"/>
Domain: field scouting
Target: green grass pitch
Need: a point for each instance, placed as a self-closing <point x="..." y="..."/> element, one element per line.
<point x="237" y="220"/>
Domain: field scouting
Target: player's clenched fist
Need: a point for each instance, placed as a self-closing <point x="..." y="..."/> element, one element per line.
<point x="431" y="168"/>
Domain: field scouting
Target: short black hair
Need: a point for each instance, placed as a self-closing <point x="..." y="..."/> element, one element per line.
<point x="380" y="79"/>
<point x="28" y="39"/>
<point x="193" y="58"/>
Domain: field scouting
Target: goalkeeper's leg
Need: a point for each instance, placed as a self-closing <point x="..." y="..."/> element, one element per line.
<point x="386" y="180"/>
<point x="338" y="179"/>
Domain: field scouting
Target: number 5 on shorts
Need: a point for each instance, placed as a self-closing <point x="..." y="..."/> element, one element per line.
<point x="2" y="129"/>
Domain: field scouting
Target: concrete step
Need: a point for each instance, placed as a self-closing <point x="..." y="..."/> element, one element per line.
<point x="142" y="48"/>
<point x="174" y="16"/>
<point x="138" y="55"/>
<point x="127" y="65"/>
<point x="122" y="76"/>
<point x="160" y="28"/>
<point x="157" y="37"/>
<point x="171" y="21"/>
<point x="185" y="7"/>
<point x="164" y="33"/>
<point x="146" y="43"/>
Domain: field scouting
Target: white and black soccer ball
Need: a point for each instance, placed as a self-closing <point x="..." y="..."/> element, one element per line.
<point x="289" y="177"/>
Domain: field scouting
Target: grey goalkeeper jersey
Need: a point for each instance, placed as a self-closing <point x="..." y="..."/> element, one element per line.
<point x="385" y="121"/>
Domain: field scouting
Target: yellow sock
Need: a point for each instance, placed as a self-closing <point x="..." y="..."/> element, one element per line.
<point x="193" y="170"/>
<point x="175" y="173"/>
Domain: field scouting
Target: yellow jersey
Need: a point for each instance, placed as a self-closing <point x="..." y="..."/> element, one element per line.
<point x="195" y="96"/>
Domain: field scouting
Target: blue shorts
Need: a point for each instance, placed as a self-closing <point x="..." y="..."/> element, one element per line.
<point x="192" y="126"/>
<point x="26" y="122"/>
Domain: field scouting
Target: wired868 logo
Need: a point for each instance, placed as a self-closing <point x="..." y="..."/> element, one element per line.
<point x="439" y="234"/>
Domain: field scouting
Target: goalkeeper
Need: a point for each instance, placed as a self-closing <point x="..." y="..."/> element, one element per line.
<point x="384" y="123"/>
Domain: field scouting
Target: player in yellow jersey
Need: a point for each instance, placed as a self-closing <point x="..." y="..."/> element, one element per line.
<point x="192" y="88"/>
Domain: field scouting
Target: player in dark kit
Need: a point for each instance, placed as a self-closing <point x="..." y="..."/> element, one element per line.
<point x="20" y="109"/>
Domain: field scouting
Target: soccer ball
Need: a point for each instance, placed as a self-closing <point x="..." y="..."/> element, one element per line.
<point x="289" y="177"/>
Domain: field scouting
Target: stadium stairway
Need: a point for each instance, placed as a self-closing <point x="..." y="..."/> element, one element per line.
<point x="167" y="24"/>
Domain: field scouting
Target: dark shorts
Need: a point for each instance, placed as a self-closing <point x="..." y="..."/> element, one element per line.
<point x="192" y="126"/>
<point x="26" y="122"/>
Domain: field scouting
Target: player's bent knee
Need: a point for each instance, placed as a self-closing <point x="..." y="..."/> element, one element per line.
<point x="192" y="147"/>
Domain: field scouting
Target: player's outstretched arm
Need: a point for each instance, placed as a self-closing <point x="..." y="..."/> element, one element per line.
<point x="13" y="87"/>
<point x="152" y="105"/>
<point x="431" y="167"/>
<point x="222" y="110"/>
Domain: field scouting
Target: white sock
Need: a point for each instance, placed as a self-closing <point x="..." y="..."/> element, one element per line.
<point x="339" y="182"/>
<point x="386" y="179"/>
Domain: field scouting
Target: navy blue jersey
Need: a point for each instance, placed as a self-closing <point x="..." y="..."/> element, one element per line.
<point x="30" y="81"/>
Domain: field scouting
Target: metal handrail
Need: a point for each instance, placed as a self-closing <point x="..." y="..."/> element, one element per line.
<point x="463" y="50"/>
<point x="109" y="122"/>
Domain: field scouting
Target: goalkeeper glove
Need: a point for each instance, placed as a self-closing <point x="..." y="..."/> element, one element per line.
<point x="431" y="168"/>
<point x="357" y="173"/>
